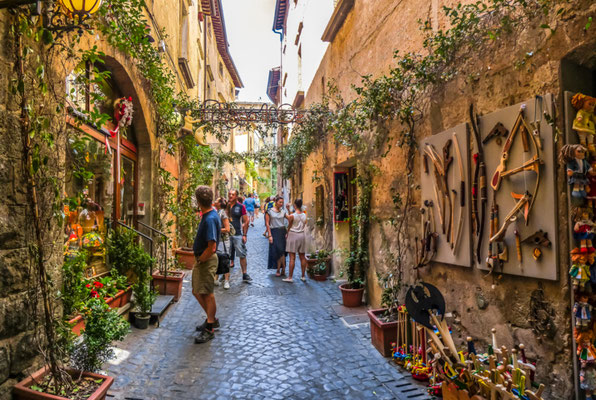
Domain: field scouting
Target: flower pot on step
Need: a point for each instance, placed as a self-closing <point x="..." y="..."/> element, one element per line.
<point x="142" y="321"/>
<point x="320" y="278"/>
<point x="173" y="285"/>
<point x="118" y="299"/>
<point x="22" y="391"/>
<point x="186" y="256"/>
<point x="351" y="297"/>
<point x="78" y="324"/>
<point x="382" y="334"/>
<point x="126" y="296"/>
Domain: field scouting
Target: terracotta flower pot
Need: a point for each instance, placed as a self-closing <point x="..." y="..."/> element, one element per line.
<point x="173" y="285"/>
<point x="186" y="256"/>
<point x="21" y="390"/>
<point x="112" y="302"/>
<point x="78" y="324"/>
<point x="351" y="297"/>
<point x="320" y="278"/>
<point x="126" y="296"/>
<point x="118" y="299"/>
<point x="382" y="334"/>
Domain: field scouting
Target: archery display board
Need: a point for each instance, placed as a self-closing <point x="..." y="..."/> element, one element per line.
<point x="460" y="255"/>
<point x="543" y="214"/>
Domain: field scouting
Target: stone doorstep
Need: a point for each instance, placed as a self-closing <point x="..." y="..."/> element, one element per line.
<point x="342" y="311"/>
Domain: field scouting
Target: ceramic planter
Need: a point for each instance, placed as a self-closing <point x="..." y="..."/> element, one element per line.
<point x="78" y="324"/>
<point x="382" y="334"/>
<point x="142" y="322"/>
<point x="21" y="390"/>
<point x="173" y="285"/>
<point x="186" y="257"/>
<point x="320" y="278"/>
<point x="351" y="297"/>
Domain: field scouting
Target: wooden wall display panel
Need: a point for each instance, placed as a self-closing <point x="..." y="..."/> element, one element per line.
<point x="543" y="214"/>
<point x="462" y="254"/>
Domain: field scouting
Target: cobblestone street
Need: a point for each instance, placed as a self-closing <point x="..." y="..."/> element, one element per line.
<point x="277" y="341"/>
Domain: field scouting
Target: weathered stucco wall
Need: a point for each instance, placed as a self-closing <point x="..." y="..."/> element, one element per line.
<point x="492" y="79"/>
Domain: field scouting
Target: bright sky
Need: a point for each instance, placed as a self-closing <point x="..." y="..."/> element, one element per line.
<point x="253" y="45"/>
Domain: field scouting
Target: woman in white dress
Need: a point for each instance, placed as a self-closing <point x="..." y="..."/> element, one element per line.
<point x="296" y="241"/>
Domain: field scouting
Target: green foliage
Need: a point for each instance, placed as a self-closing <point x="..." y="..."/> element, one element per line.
<point x="103" y="326"/>
<point x="144" y="297"/>
<point x="121" y="246"/>
<point x="74" y="294"/>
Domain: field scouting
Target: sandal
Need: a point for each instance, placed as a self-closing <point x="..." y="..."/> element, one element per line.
<point x="277" y="273"/>
<point x="289" y="280"/>
<point x="303" y="279"/>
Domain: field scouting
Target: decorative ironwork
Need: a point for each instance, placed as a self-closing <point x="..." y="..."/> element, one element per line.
<point x="232" y="115"/>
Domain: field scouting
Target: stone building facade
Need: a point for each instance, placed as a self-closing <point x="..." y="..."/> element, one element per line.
<point x="196" y="51"/>
<point x="363" y="36"/>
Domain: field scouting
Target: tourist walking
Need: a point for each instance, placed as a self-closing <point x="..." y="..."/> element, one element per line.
<point x="224" y="240"/>
<point x="239" y="219"/>
<point x="296" y="241"/>
<point x="249" y="203"/>
<point x="275" y="219"/>
<point x="203" y="273"/>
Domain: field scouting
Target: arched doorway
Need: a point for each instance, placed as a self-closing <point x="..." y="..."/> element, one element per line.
<point x="117" y="184"/>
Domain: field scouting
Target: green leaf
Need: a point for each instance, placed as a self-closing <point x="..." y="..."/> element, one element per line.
<point x="589" y="24"/>
<point x="36" y="388"/>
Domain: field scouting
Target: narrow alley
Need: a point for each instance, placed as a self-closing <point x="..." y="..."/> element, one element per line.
<point x="277" y="341"/>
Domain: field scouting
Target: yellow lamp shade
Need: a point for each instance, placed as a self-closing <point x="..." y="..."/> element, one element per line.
<point x="80" y="7"/>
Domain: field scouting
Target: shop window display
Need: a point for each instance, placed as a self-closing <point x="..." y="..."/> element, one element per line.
<point x="90" y="190"/>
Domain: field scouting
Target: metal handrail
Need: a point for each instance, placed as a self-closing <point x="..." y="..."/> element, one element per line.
<point x="141" y="234"/>
<point x="165" y="253"/>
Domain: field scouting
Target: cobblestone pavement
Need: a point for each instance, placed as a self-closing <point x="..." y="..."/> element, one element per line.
<point x="277" y="341"/>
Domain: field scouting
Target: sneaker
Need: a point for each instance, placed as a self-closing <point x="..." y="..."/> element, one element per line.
<point x="204" y="336"/>
<point x="289" y="280"/>
<point x="226" y="284"/>
<point x="201" y="328"/>
<point x="246" y="278"/>
<point x="216" y="282"/>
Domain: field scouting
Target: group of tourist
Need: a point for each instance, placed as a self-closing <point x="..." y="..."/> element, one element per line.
<point x="222" y="235"/>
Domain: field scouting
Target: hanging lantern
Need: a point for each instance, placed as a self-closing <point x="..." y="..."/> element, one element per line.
<point x="80" y="9"/>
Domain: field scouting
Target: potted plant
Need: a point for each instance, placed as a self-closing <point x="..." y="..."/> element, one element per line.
<point x="322" y="260"/>
<point x="319" y="271"/>
<point x="351" y="291"/>
<point x="144" y="299"/>
<point x="383" y="321"/>
<point x="170" y="283"/>
<point x="144" y="296"/>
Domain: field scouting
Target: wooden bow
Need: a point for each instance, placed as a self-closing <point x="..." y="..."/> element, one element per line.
<point x="525" y="201"/>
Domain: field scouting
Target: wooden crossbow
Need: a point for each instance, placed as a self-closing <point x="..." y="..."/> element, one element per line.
<point x="525" y="201"/>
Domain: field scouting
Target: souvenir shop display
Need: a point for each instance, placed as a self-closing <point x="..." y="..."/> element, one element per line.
<point x="579" y="159"/>
<point x="444" y="189"/>
<point x="514" y="181"/>
<point x="463" y="373"/>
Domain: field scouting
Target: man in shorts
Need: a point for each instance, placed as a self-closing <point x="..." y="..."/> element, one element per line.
<point x="239" y="220"/>
<point x="203" y="273"/>
<point x="249" y="203"/>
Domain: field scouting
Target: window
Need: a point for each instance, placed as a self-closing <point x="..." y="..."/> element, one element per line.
<point x="220" y="69"/>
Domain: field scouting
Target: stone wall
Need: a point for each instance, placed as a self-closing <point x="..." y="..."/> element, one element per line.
<point x="492" y="80"/>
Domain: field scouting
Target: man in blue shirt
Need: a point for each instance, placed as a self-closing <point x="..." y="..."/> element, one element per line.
<point x="249" y="203"/>
<point x="203" y="274"/>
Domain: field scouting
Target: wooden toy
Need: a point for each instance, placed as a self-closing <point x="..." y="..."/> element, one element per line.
<point x="573" y="157"/>
<point x="583" y="230"/>
<point x="582" y="311"/>
<point x="584" y="122"/>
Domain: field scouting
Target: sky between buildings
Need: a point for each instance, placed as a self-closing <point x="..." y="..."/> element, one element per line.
<point x="253" y="45"/>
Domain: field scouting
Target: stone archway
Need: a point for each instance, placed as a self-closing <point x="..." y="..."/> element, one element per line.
<point x="144" y="129"/>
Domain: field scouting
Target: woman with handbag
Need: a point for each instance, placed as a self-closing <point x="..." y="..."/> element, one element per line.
<point x="296" y="240"/>
<point x="275" y="220"/>
<point x="223" y="250"/>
